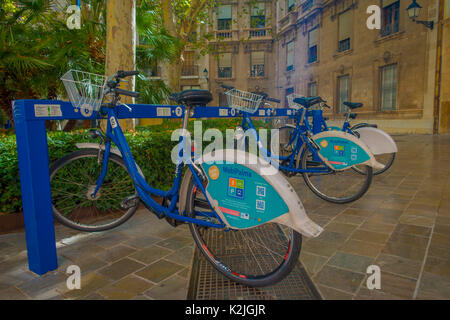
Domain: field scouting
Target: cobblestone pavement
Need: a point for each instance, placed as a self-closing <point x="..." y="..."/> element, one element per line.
<point x="401" y="225"/>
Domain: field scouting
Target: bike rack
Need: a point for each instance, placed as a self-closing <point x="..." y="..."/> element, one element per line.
<point x="32" y="153"/>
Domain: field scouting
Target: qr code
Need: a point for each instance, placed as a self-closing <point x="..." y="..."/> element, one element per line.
<point x="260" y="204"/>
<point x="260" y="191"/>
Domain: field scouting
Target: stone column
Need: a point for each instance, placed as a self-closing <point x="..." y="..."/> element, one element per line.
<point x="121" y="44"/>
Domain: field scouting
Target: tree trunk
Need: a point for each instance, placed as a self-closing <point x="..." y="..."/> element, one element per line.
<point x="121" y="44"/>
<point x="174" y="72"/>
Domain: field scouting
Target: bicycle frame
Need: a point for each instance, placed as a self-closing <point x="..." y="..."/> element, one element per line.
<point x="299" y="137"/>
<point x="114" y="134"/>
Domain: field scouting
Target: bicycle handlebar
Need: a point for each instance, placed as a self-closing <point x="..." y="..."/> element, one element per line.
<point x="127" y="92"/>
<point x="273" y="100"/>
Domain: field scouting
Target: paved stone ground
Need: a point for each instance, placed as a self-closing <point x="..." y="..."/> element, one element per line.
<point x="402" y="225"/>
<point x="145" y="258"/>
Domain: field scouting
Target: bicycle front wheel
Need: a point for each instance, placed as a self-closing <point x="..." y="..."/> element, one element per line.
<point x="256" y="257"/>
<point x="73" y="179"/>
<point x="336" y="186"/>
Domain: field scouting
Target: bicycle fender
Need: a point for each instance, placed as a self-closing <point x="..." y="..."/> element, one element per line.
<point x="378" y="141"/>
<point x="341" y="150"/>
<point x="89" y="145"/>
<point x="247" y="191"/>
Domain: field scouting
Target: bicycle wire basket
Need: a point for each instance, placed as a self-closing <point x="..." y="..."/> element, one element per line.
<point x="243" y="100"/>
<point x="85" y="90"/>
<point x="291" y="103"/>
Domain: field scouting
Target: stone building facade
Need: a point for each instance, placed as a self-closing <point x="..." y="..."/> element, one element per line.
<point x="325" y="48"/>
<point x="244" y="42"/>
<point x="399" y="71"/>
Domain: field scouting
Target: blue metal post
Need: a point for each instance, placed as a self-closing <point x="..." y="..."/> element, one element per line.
<point x="32" y="153"/>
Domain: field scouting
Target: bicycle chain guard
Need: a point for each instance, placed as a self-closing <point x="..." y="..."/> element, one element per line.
<point x="341" y="150"/>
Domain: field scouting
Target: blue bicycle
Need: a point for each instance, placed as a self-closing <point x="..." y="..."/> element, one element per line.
<point x="100" y="187"/>
<point x="300" y="153"/>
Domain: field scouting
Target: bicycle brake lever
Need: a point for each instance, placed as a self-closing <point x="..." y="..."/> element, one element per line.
<point x="123" y="104"/>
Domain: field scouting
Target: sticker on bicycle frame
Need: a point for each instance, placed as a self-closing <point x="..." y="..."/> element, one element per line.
<point x="86" y="110"/>
<point x="262" y="112"/>
<point x="214" y="172"/>
<point x="113" y="122"/>
<point x="341" y="153"/>
<point x="47" y="110"/>
<point x="223" y="112"/>
<point x="178" y="111"/>
<point x="163" y="112"/>
<point x="244" y="197"/>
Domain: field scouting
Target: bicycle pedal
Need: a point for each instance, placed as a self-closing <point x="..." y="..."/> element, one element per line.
<point x="173" y="222"/>
<point x="129" y="202"/>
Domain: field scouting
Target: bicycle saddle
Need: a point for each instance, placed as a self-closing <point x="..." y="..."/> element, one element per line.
<point x="192" y="97"/>
<point x="353" y="105"/>
<point x="308" y="101"/>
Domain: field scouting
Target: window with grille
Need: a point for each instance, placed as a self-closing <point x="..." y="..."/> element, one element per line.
<point x="286" y="94"/>
<point x="389" y="17"/>
<point x="290" y="5"/>
<point x="313" y="37"/>
<point x="312" y="89"/>
<point x="343" y="92"/>
<point x="257" y="64"/>
<point x="225" y="66"/>
<point x="345" y="29"/>
<point x="290" y="56"/>
<point x="388" y="87"/>
<point x="224" y="17"/>
<point x="258" y="15"/>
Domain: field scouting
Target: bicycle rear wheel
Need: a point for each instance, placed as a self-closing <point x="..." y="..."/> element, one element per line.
<point x="336" y="186"/>
<point x="73" y="179"/>
<point x="256" y="257"/>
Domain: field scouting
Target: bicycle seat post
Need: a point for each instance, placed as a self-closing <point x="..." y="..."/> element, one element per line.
<point x="187" y="114"/>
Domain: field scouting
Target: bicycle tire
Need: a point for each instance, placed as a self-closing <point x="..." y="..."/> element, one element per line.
<point x="211" y="252"/>
<point x="60" y="217"/>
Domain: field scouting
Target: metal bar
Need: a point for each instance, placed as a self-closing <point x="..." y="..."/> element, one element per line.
<point x="32" y="153"/>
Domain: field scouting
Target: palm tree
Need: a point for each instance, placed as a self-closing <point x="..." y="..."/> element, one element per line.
<point x="36" y="48"/>
<point x="22" y="64"/>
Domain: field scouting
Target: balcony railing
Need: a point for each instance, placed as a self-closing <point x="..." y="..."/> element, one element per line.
<point x="190" y="70"/>
<point x="225" y="72"/>
<point x="258" y="33"/>
<point x="308" y="6"/>
<point x="227" y="35"/>
<point x="289" y="19"/>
